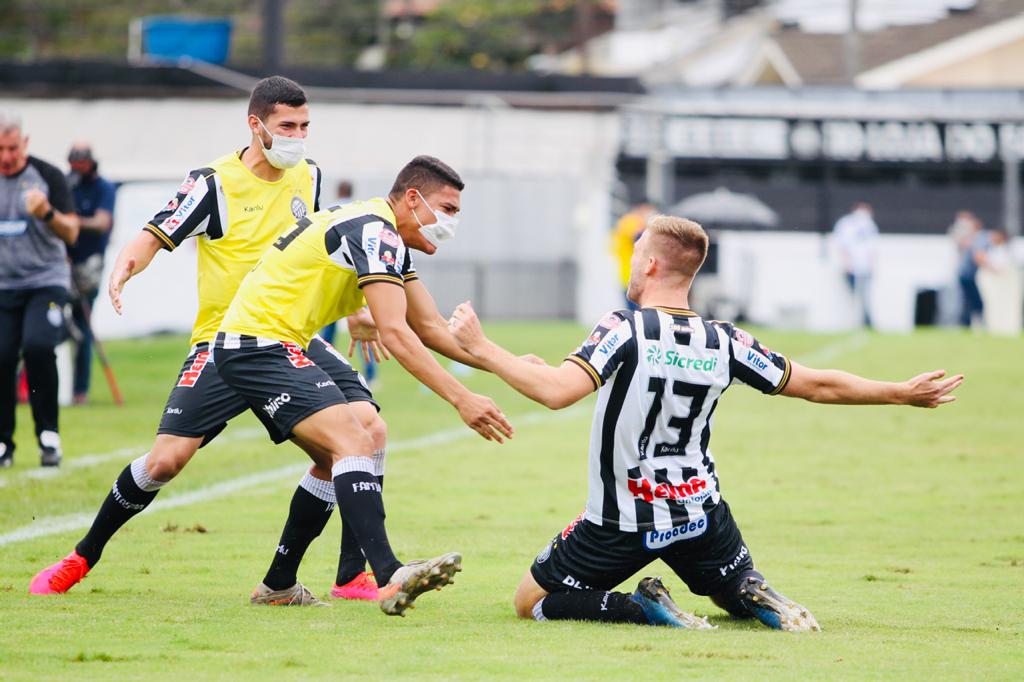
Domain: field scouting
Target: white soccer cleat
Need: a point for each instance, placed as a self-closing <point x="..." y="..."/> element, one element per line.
<point x="415" y="578"/>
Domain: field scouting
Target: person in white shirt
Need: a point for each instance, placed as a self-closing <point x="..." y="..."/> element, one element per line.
<point x="856" y="238"/>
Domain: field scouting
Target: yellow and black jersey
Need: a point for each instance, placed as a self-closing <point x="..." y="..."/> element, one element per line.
<point x="237" y="215"/>
<point x="315" y="271"/>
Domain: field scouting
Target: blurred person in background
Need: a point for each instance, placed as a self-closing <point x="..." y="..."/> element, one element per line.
<point x="627" y="230"/>
<point x="856" y="238"/>
<point x="969" y="236"/>
<point x="37" y="223"/>
<point x="999" y="283"/>
<point x="94" y="201"/>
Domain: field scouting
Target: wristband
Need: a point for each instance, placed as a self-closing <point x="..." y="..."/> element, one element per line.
<point x="49" y="215"/>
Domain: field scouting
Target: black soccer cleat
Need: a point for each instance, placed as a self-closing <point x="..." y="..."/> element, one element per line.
<point x="775" y="610"/>
<point x="654" y="600"/>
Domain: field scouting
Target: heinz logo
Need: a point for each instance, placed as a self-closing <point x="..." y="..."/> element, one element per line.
<point x="642" y="488"/>
<point x="191" y="375"/>
<point x="756" y="359"/>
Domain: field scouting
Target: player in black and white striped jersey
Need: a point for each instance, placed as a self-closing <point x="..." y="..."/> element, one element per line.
<point x="653" y="490"/>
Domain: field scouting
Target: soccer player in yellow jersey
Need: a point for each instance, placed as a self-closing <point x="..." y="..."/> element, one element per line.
<point x="323" y="268"/>
<point x="235" y="207"/>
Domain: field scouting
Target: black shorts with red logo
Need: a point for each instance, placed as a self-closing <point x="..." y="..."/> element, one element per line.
<point x="586" y="556"/>
<point x="201" y="403"/>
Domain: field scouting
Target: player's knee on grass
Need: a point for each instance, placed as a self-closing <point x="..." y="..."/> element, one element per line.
<point x="169" y="456"/>
<point x="527" y="595"/>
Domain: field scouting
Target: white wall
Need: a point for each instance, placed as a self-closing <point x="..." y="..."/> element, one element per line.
<point x="537" y="181"/>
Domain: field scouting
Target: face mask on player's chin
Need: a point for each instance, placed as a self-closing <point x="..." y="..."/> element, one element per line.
<point x="284" y="152"/>
<point x="439" y="231"/>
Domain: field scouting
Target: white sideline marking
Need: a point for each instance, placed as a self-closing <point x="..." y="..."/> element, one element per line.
<point x="51" y="525"/>
<point x="830" y="352"/>
<point x="85" y="461"/>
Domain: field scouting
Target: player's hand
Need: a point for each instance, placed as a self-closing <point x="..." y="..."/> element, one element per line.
<point x="365" y="336"/>
<point x="928" y="389"/>
<point x="465" y="327"/>
<point x="534" y="359"/>
<point x="36" y="203"/>
<point x="117" y="280"/>
<point x="483" y="416"/>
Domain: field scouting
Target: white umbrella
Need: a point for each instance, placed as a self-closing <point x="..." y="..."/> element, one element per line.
<point x="724" y="208"/>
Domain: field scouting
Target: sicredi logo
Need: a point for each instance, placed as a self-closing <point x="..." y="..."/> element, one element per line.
<point x="674" y="359"/>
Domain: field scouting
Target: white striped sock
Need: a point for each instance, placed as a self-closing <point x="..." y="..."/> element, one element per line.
<point x="347" y="465"/>
<point x="142" y="477"/>
<point x="378" y="462"/>
<point x="538" y="612"/>
<point x="323" y="490"/>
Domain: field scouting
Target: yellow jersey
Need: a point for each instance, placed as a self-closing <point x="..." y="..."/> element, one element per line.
<point x="315" y="271"/>
<point x="236" y="216"/>
<point x="627" y="231"/>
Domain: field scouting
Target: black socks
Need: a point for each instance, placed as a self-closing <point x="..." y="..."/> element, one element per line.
<point x="359" y="500"/>
<point x="311" y="508"/>
<point x="131" y="493"/>
<point x="604" y="607"/>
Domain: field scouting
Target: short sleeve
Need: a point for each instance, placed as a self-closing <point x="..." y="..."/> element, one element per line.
<point x="58" y="191"/>
<point x="368" y="245"/>
<point x="601" y="353"/>
<point x="409" y="267"/>
<point x="754" y="364"/>
<point x="191" y="212"/>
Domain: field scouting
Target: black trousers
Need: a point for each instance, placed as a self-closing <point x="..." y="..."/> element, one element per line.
<point x="31" y="326"/>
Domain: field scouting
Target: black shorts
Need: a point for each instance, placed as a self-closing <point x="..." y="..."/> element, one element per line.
<point x="201" y="403"/>
<point x="586" y="556"/>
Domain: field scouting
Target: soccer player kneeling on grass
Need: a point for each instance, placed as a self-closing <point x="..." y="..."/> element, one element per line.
<point x="653" y="491"/>
<point x="323" y="268"/>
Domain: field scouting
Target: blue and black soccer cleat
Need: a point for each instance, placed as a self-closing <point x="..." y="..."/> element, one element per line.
<point x="653" y="598"/>
<point x="775" y="610"/>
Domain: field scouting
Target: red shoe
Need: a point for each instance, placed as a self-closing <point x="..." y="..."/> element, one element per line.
<point x="60" y="577"/>
<point x="363" y="586"/>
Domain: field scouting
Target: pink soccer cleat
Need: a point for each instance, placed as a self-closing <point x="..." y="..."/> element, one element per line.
<point x="363" y="586"/>
<point x="60" y="577"/>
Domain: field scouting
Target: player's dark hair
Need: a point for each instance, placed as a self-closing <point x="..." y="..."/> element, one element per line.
<point x="272" y="91"/>
<point x="427" y="174"/>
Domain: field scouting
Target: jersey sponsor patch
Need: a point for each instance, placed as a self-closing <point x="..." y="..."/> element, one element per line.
<point x="173" y="222"/>
<point x="743" y="337"/>
<point x="191" y="375"/>
<point x="187" y="185"/>
<point x="572" y="525"/>
<point x="694" y="490"/>
<point x="296" y="356"/>
<point x="389" y="238"/>
<point x="659" y="539"/>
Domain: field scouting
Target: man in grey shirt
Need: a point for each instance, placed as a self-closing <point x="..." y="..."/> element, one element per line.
<point x="37" y="221"/>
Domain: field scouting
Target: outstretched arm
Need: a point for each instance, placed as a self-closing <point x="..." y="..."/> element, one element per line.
<point x="842" y="388"/>
<point x="553" y="387"/>
<point x="388" y="307"/>
<point x="133" y="259"/>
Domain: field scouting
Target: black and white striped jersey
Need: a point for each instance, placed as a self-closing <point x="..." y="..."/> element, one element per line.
<point x="660" y="372"/>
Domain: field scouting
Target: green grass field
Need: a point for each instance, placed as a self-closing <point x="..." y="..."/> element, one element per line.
<point x="901" y="529"/>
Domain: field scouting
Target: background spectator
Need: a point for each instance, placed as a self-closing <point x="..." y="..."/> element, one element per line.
<point x="1000" y="285"/>
<point x="856" y="237"/>
<point x="94" y="201"/>
<point x="970" y="239"/>
<point x="37" y="219"/>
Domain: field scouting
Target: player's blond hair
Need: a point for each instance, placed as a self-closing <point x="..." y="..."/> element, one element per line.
<point x="681" y="242"/>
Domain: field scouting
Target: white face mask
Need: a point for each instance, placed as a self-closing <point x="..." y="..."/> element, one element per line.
<point x="441" y="230"/>
<point x="284" y="152"/>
